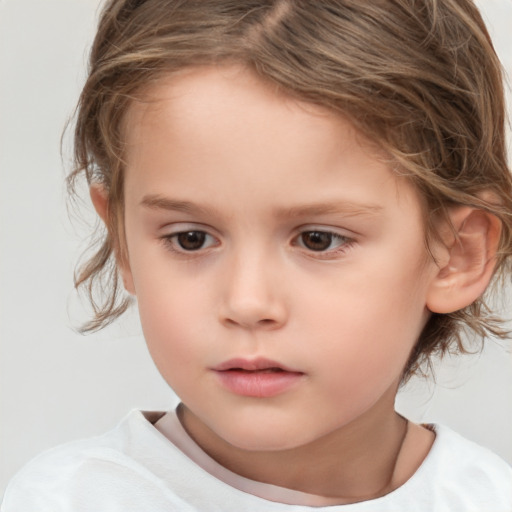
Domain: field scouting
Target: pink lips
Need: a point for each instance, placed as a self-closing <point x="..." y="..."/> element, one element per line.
<point x="259" y="378"/>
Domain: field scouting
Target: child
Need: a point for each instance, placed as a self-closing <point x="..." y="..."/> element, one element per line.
<point x="308" y="200"/>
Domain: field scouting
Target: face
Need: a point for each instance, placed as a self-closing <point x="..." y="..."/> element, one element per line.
<point x="278" y="263"/>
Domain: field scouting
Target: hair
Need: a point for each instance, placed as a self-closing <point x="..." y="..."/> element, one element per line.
<point x="419" y="78"/>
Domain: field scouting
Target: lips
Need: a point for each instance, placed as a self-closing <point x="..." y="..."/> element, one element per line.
<point x="260" y="364"/>
<point x="260" y="378"/>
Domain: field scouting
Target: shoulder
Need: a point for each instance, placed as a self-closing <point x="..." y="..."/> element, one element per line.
<point x="465" y="474"/>
<point x="100" y="473"/>
<point x="456" y="452"/>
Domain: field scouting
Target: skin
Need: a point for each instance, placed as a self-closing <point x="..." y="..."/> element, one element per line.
<point x="218" y="152"/>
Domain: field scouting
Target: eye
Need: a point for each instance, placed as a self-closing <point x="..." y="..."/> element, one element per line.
<point x="189" y="241"/>
<point x="321" y="241"/>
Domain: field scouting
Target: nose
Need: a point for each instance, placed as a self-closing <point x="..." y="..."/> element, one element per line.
<point x="253" y="297"/>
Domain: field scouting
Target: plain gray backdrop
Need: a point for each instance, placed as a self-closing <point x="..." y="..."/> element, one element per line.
<point x="56" y="385"/>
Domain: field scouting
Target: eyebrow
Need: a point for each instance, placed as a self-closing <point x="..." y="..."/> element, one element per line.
<point x="346" y="208"/>
<point x="157" y="202"/>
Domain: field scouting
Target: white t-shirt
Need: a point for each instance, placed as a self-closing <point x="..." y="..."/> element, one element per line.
<point x="148" y="463"/>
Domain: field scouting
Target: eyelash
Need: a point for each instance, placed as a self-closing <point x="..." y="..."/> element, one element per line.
<point x="344" y="243"/>
<point x="171" y="241"/>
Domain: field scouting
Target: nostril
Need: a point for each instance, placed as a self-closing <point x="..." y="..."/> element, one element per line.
<point x="260" y="314"/>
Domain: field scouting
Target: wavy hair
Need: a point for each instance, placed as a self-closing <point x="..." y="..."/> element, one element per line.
<point x="420" y="78"/>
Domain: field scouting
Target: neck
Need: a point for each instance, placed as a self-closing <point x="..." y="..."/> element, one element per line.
<point x="357" y="462"/>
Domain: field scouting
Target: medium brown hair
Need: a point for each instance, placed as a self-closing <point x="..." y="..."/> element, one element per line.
<point x="420" y="78"/>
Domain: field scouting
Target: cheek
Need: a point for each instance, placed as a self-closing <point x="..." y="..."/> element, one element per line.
<point x="368" y="324"/>
<point x="171" y="314"/>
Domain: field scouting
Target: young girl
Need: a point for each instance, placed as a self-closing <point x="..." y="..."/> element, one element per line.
<point x="308" y="200"/>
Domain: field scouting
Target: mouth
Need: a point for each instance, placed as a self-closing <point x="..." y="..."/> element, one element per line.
<point x="260" y="365"/>
<point x="264" y="370"/>
<point x="258" y="378"/>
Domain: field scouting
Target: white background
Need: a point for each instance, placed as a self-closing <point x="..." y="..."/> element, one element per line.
<point x="56" y="385"/>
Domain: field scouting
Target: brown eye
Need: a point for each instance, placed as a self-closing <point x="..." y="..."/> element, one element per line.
<point x="317" y="240"/>
<point x="191" y="240"/>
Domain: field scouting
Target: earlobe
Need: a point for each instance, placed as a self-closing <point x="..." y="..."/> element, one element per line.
<point x="465" y="273"/>
<point x="99" y="198"/>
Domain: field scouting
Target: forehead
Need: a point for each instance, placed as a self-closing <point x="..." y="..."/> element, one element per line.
<point x="215" y="96"/>
<point x="206" y="128"/>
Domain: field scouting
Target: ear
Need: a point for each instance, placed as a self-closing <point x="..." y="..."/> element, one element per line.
<point x="99" y="197"/>
<point x="467" y="260"/>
